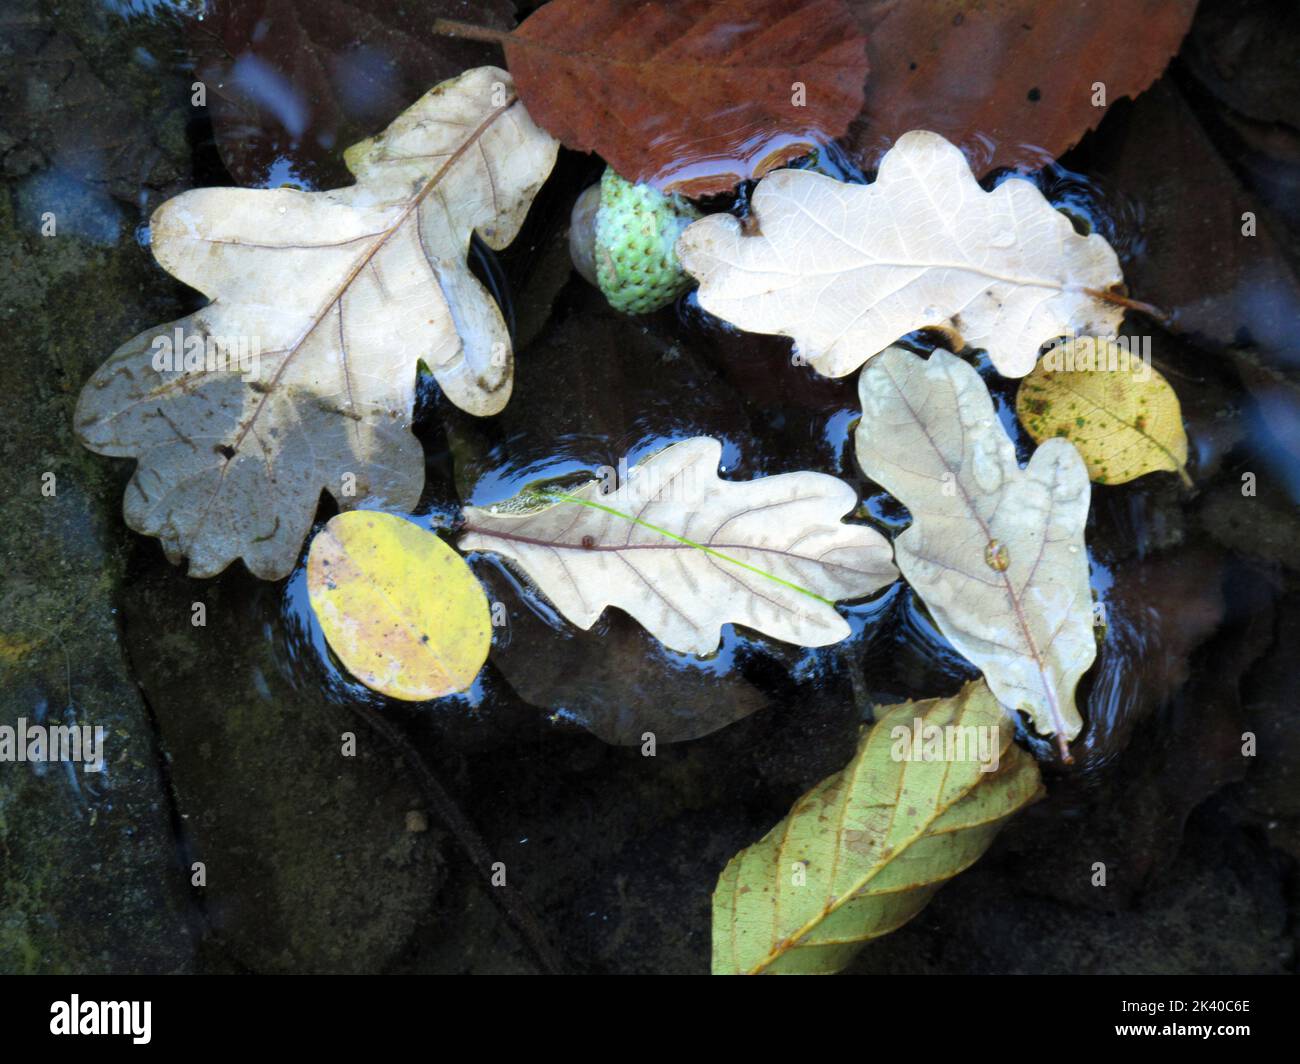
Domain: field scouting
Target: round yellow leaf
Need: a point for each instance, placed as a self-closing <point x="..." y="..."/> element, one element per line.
<point x="399" y="606"/>
<point x="1113" y="406"/>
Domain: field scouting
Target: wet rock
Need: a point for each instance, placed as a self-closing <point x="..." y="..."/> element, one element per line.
<point x="1157" y="611"/>
<point x="64" y="117"/>
<point x="675" y="867"/>
<point x="304" y="839"/>
<point x="596" y="389"/>
<point x="1242" y="51"/>
<point x="326" y="77"/>
<point x="1274" y="427"/>
<point x="90" y="879"/>
<point x="1154" y="760"/>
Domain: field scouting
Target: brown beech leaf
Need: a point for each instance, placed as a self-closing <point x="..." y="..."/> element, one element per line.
<point x="864" y="851"/>
<point x="1013" y="82"/>
<point x="692" y="95"/>
<point x="290" y="83"/>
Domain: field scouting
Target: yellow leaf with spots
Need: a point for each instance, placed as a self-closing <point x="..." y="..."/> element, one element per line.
<point x="1119" y="412"/>
<point x="399" y="606"/>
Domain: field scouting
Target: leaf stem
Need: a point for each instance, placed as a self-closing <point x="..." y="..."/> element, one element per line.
<point x="450" y="27"/>
<point x="1149" y="309"/>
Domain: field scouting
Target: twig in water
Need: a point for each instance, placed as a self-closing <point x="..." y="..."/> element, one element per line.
<point x="450" y="27"/>
<point x="508" y="900"/>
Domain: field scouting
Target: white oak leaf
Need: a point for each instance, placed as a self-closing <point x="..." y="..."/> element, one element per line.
<point x="685" y="552"/>
<point x="299" y="375"/>
<point x="845" y="270"/>
<point x="996" y="552"/>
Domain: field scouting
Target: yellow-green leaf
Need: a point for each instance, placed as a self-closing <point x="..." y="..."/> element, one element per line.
<point x="863" y="851"/>
<point x="1120" y="413"/>
<point x="399" y="607"/>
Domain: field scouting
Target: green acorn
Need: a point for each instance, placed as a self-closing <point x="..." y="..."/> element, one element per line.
<point x="621" y="239"/>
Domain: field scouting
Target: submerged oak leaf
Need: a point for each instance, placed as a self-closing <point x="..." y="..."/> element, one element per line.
<point x="996" y="552"/>
<point x="685" y="552"/>
<point x="299" y="375"/>
<point x="845" y="270"/>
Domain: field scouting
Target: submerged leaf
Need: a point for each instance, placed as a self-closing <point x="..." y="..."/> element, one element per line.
<point x="399" y="607"/>
<point x="299" y="375"/>
<point x="1228" y="285"/>
<point x="996" y="552"/>
<point x="865" y="850"/>
<point x="845" y="270"/>
<point x="685" y="552"/>
<point x="1118" y="411"/>
<point x="691" y="95"/>
<point x="290" y="81"/>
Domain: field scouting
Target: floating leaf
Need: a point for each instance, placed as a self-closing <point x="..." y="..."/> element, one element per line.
<point x="845" y="270"/>
<point x="692" y="95"/>
<point x="1116" y="409"/>
<point x="299" y="375"/>
<point x="931" y="64"/>
<point x="996" y="552"/>
<point x="399" y="607"/>
<point x="685" y="552"/>
<point x="865" y="850"/>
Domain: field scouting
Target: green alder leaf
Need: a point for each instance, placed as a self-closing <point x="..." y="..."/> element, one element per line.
<point x="863" y="851"/>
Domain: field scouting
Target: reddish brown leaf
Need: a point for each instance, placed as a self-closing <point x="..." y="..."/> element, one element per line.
<point x="291" y="83"/>
<point x="693" y="95"/>
<point x="1011" y="81"/>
